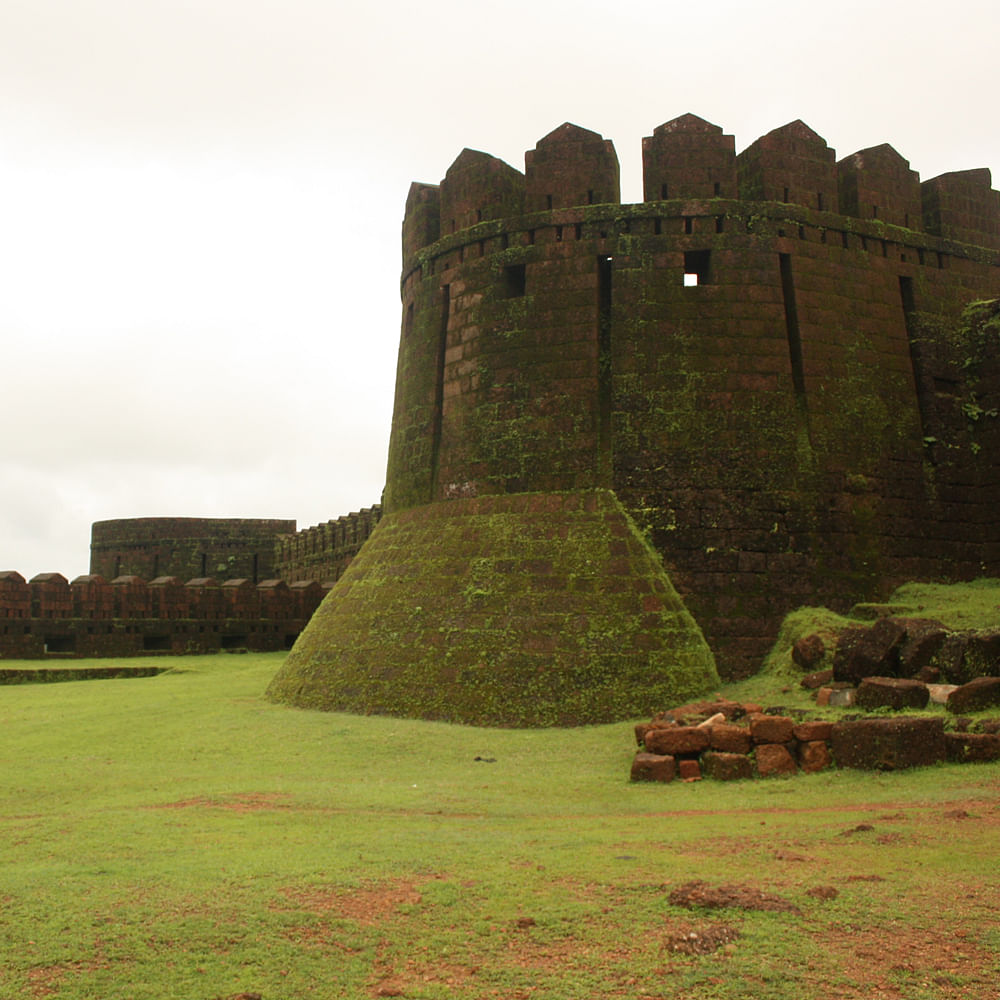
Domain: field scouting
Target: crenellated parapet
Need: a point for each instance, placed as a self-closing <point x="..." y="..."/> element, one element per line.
<point x="128" y="616"/>
<point x="690" y="159"/>
<point x="324" y="551"/>
<point x="759" y="359"/>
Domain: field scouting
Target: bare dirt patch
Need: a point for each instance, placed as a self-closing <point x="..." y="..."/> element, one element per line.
<point x="241" y="802"/>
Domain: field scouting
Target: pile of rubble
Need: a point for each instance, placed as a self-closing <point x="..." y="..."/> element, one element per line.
<point x="729" y="740"/>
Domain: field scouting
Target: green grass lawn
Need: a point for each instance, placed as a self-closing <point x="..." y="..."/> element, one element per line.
<point x="180" y="837"/>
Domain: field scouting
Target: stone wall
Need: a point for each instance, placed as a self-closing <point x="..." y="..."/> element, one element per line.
<point x="49" y="616"/>
<point x="324" y="551"/>
<point x="187" y="547"/>
<point x="763" y="361"/>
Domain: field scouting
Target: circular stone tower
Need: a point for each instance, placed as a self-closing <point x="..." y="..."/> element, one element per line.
<point x="505" y="584"/>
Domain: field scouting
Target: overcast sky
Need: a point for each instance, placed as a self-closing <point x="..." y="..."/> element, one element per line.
<point x="200" y="204"/>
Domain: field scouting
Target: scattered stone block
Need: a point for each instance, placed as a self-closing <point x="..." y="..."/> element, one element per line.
<point x="808" y="732"/>
<point x="689" y="770"/>
<point x="923" y="642"/>
<point x="841" y="697"/>
<point x="814" y="756"/>
<point x="983" y="692"/>
<point x="730" y="739"/>
<point x="939" y="692"/>
<point x="653" y="767"/>
<point x="771" y="729"/>
<point x="888" y="744"/>
<point x="677" y="740"/>
<point x="726" y="766"/>
<point x="817" y="680"/>
<point x="965" y="748"/>
<point x="808" y="651"/>
<point x="773" y="759"/>
<point x="867" y="652"/>
<point x="891" y="692"/>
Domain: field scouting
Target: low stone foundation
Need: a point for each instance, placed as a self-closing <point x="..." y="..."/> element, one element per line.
<point x="729" y="741"/>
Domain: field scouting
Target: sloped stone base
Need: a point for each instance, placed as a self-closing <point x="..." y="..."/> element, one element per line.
<point x="531" y="609"/>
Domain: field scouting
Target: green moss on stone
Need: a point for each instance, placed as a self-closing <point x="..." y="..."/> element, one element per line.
<point x="534" y="609"/>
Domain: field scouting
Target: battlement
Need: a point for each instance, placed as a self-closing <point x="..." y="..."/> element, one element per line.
<point x="689" y="159"/>
<point x="127" y="616"/>
<point x="324" y="551"/>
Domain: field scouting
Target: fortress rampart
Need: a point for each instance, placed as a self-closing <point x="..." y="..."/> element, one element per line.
<point x="765" y="360"/>
<point x="186" y="547"/>
<point x="127" y="616"/>
<point x="324" y="551"/>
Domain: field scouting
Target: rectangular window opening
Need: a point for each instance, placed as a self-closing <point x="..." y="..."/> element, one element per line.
<point x="688" y="224"/>
<point x="590" y="196"/>
<point x="663" y="192"/>
<point x="697" y="267"/>
<point x="548" y="201"/>
<point x="785" y="195"/>
<point x="515" y="281"/>
<point x="657" y="227"/>
<point x="819" y="200"/>
<point x="716" y="188"/>
<point x="719" y="224"/>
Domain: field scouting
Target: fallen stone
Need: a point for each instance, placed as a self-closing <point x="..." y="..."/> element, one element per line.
<point x="677" y="740"/>
<point x="771" y="729"/>
<point x="730" y="739"/>
<point x="939" y="692"/>
<point x="726" y="766"/>
<point x="808" y="651"/>
<point x="923" y="641"/>
<point x="867" y="652"/>
<point x="689" y="770"/>
<point x="983" y="692"/>
<point x="887" y="744"/>
<point x="773" y="759"/>
<point x="653" y="767"/>
<point x="813" y="681"/>
<point x="814" y="756"/>
<point x="967" y="748"/>
<point x="842" y="697"/>
<point x="808" y="732"/>
<point x="891" y="692"/>
<point x="712" y="720"/>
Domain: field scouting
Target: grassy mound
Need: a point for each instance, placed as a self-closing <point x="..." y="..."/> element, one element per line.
<point x="521" y="610"/>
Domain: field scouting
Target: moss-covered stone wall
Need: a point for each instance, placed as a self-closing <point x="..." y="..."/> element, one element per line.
<point x="789" y="422"/>
<point x="525" y="610"/>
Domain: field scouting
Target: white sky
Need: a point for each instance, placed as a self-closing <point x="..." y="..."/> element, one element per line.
<point x="200" y="204"/>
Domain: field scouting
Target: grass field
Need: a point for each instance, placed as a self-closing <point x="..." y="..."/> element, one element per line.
<point x="180" y="837"/>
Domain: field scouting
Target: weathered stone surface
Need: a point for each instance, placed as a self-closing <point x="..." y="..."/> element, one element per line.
<point x="813" y="681"/>
<point x="983" y="692"/>
<point x="689" y="770"/>
<point x="772" y="729"/>
<point x="807" y="732"/>
<point x="814" y="756"/>
<point x="867" y="652"/>
<point x="840" y="697"/>
<point x="888" y="744"/>
<point x="677" y="740"/>
<point x="773" y="759"/>
<point x="653" y="767"/>
<point x="891" y="692"/>
<point x="808" y="651"/>
<point x="963" y="748"/>
<point x="726" y="766"/>
<point x="730" y="739"/>
<point x="939" y="692"/>
<point x="923" y="640"/>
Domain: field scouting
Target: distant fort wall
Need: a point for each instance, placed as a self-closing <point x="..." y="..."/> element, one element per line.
<point x="91" y="616"/>
<point x="213" y="583"/>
